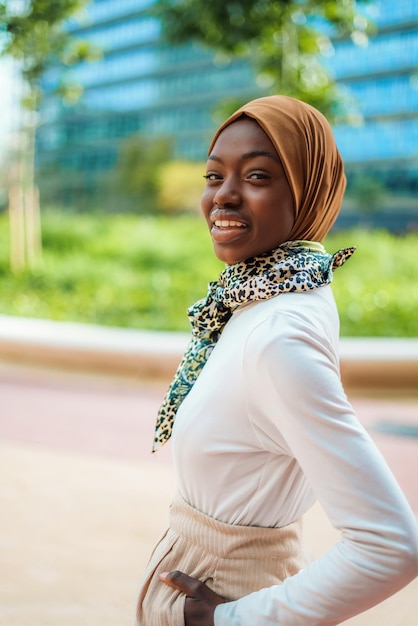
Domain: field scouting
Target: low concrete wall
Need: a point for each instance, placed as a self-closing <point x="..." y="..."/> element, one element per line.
<point x="384" y="365"/>
<point x="87" y="347"/>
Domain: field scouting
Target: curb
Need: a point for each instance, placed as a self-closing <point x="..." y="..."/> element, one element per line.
<point x="380" y="365"/>
<point x="90" y="348"/>
<point x="387" y="364"/>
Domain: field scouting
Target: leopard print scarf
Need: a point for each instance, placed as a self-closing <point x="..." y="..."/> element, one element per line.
<point x="294" y="266"/>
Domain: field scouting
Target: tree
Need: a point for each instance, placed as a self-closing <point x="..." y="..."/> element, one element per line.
<point x="136" y="175"/>
<point x="181" y="185"/>
<point x="367" y="191"/>
<point x="32" y="33"/>
<point x="284" y="40"/>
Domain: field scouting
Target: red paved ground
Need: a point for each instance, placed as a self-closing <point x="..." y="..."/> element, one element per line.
<point x="82" y="499"/>
<point x="88" y="414"/>
<point x="115" y="418"/>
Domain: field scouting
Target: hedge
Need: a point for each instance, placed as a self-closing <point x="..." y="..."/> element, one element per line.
<point x="143" y="272"/>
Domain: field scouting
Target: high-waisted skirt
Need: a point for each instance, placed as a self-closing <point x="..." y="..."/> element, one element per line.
<point x="232" y="560"/>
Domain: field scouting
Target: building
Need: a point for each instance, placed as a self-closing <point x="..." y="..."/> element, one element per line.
<point x="382" y="76"/>
<point x="141" y="85"/>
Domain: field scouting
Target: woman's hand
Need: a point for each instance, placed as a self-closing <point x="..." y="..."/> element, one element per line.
<point x="201" y="602"/>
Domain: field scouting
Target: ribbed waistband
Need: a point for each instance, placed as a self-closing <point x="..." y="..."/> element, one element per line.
<point x="230" y="540"/>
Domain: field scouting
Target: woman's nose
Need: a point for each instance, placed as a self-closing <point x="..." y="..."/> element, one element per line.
<point x="227" y="193"/>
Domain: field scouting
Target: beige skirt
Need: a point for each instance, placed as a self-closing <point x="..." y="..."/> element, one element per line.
<point x="232" y="560"/>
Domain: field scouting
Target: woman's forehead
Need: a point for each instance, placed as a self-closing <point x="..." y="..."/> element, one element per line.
<point x="243" y="136"/>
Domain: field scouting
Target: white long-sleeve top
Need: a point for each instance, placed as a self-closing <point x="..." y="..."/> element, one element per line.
<point x="266" y="430"/>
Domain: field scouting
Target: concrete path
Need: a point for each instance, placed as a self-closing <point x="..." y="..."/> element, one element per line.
<point x="82" y="500"/>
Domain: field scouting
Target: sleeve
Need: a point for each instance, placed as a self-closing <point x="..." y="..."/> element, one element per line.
<point x="297" y="404"/>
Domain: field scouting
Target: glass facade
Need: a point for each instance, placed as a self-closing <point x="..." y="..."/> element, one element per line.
<point x="382" y="78"/>
<point x="140" y="85"/>
<point x="143" y="85"/>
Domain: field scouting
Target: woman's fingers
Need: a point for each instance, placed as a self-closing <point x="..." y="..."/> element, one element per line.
<point x="192" y="587"/>
<point x="200" y="602"/>
<point x="182" y="582"/>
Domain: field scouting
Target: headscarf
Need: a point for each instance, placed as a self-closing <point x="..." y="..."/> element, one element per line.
<point x="312" y="163"/>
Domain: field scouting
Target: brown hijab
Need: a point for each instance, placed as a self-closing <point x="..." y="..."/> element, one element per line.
<point x="306" y="146"/>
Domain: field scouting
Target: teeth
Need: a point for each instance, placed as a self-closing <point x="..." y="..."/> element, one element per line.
<point x="228" y="223"/>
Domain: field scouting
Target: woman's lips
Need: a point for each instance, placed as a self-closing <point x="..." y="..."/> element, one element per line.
<point x="229" y="223"/>
<point x="224" y="230"/>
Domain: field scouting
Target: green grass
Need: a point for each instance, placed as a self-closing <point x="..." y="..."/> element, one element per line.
<point x="143" y="272"/>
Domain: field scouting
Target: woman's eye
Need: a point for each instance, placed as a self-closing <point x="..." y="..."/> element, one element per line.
<point x="257" y="176"/>
<point x="212" y="176"/>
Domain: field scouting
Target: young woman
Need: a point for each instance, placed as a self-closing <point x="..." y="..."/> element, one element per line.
<point x="262" y="425"/>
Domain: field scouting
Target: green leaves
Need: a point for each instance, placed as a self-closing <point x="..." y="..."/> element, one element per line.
<point x="223" y="25"/>
<point x="284" y="40"/>
<point x="137" y="170"/>
<point x="36" y="38"/>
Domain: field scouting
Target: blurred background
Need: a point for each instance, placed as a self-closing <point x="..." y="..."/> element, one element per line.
<point x="107" y="111"/>
<point x="107" y="108"/>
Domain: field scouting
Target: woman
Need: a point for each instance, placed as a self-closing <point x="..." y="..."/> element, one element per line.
<point x="262" y="425"/>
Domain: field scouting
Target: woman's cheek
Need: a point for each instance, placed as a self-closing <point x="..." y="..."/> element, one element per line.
<point x="206" y="201"/>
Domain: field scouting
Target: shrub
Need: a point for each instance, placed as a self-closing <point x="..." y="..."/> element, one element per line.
<point x="143" y="272"/>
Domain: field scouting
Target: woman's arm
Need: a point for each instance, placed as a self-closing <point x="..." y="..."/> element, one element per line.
<point x="296" y="402"/>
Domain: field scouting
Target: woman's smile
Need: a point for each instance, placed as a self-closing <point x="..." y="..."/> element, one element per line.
<point x="228" y="224"/>
<point x="226" y="228"/>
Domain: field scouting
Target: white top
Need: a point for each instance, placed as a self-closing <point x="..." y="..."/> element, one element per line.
<point x="266" y="430"/>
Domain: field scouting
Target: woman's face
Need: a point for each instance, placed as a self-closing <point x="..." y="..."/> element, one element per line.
<point x="247" y="201"/>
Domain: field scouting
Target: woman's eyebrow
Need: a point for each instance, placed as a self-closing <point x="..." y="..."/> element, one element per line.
<point x="249" y="155"/>
<point x="256" y="153"/>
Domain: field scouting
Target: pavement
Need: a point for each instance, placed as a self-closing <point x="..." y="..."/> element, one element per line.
<point x="82" y="500"/>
